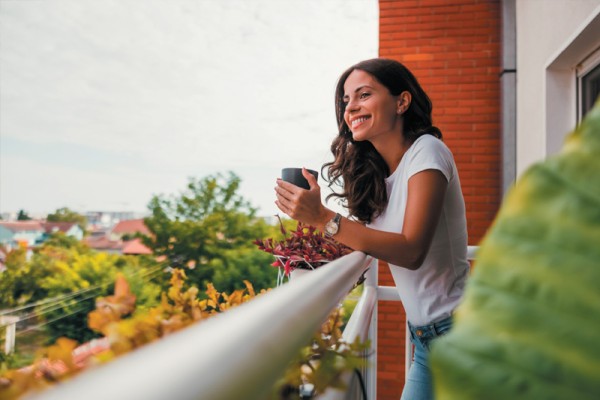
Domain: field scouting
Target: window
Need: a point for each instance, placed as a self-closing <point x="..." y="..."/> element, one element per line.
<point x="588" y="83"/>
<point x="590" y="89"/>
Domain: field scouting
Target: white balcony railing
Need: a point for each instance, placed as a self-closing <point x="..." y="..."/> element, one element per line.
<point x="235" y="355"/>
<point x="241" y="353"/>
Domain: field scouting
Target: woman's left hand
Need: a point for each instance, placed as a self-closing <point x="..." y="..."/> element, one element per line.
<point x="301" y="204"/>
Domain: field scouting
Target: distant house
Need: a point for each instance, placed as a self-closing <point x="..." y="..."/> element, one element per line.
<point x="121" y="239"/>
<point x="128" y="228"/>
<point x="71" y="229"/>
<point x="104" y="243"/>
<point x="32" y="233"/>
<point x="107" y="219"/>
<point x="135" y="247"/>
<point x="21" y="233"/>
<point x="2" y="260"/>
<point x="126" y="231"/>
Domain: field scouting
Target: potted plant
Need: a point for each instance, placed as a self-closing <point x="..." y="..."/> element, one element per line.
<point x="301" y="250"/>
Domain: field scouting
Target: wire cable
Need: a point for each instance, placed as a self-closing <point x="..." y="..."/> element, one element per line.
<point x="146" y="277"/>
<point x="51" y="321"/>
<point x="58" y="305"/>
<point x="73" y="294"/>
<point x="155" y="272"/>
<point x="54" y="308"/>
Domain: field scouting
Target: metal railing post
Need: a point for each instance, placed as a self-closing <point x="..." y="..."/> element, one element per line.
<point x="371" y="377"/>
<point x="11" y="326"/>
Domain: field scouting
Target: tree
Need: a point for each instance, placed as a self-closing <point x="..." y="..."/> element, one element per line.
<point x="64" y="277"/>
<point x="87" y="277"/>
<point x="206" y="228"/>
<point x="61" y="240"/>
<point x="11" y="286"/>
<point x="238" y="265"/>
<point x="23" y="216"/>
<point x="64" y="214"/>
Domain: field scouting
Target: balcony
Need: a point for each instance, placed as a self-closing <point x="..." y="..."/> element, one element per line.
<point x="241" y="353"/>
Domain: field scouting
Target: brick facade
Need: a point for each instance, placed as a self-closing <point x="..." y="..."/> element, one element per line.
<point x="453" y="48"/>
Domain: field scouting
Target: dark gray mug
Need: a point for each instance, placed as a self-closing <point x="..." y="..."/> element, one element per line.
<point x="294" y="175"/>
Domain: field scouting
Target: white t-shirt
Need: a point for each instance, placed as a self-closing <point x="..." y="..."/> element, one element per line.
<point x="433" y="291"/>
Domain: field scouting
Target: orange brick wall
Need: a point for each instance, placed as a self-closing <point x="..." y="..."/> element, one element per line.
<point x="453" y="48"/>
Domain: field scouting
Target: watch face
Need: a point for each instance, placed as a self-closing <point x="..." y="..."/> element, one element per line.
<point x="331" y="228"/>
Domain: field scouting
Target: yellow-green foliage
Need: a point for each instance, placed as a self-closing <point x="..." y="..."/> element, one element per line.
<point x="529" y="325"/>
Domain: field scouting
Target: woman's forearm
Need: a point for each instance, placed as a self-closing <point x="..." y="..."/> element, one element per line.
<point x="394" y="248"/>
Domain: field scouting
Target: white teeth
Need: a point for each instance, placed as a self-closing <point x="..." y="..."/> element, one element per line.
<point x="358" y="121"/>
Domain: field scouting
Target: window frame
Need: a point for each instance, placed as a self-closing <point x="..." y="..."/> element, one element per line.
<point x="590" y="65"/>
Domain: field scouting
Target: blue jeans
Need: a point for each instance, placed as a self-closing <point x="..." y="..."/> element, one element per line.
<point x="419" y="386"/>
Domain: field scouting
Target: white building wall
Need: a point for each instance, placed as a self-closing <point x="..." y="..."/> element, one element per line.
<point x="75" y="232"/>
<point x="553" y="36"/>
<point x="31" y="237"/>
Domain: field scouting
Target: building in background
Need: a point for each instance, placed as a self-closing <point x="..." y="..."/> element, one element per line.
<point x="557" y="50"/>
<point x="21" y="233"/>
<point x="127" y="231"/>
<point x="31" y="233"/>
<point x="105" y="220"/>
<point x="121" y="238"/>
<point x="71" y="229"/>
<point x="508" y="80"/>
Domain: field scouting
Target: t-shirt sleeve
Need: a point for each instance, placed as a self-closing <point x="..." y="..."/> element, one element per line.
<point x="428" y="152"/>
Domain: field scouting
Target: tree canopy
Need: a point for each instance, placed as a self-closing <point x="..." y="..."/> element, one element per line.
<point x="23" y="216"/>
<point x="58" y="286"/>
<point x="210" y="228"/>
<point x="65" y="214"/>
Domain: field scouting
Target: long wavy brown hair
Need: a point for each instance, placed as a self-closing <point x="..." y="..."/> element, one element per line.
<point x="357" y="167"/>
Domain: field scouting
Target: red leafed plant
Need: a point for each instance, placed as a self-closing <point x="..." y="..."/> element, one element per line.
<point x="303" y="248"/>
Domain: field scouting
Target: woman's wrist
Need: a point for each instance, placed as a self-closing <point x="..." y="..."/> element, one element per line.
<point x="326" y="216"/>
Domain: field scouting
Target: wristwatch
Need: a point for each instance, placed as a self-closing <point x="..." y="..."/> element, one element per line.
<point x="333" y="225"/>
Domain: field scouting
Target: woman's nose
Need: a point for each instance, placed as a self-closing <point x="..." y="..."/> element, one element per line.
<point x="352" y="106"/>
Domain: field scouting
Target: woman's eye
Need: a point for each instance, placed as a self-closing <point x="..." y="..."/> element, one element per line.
<point x="364" y="95"/>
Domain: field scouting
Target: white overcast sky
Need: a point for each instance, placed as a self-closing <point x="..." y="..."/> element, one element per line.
<point x="105" y="103"/>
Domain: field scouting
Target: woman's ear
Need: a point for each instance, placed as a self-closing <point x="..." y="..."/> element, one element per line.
<point x="403" y="102"/>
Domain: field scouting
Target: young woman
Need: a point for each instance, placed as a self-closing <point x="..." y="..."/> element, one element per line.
<point x="403" y="195"/>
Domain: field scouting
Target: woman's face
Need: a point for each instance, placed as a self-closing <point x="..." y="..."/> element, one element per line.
<point x="371" y="110"/>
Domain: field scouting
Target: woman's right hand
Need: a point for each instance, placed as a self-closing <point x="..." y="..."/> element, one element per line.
<point x="301" y="204"/>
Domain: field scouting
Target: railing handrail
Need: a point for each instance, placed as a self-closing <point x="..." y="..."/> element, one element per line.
<point x="234" y="355"/>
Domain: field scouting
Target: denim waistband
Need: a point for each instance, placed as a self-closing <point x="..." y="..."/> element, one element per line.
<point x="431" y="330"/>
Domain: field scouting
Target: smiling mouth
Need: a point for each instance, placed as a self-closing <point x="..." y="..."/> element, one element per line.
<point x="358" y="121"/>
